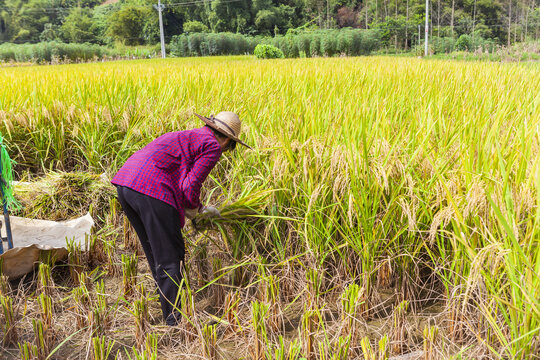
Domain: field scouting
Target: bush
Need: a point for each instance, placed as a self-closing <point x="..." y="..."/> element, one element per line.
<point x="344" y="42"/>
<point x="302" y="42"/>
<point x="53" y="50"/>
<point x="464" y="43"/>
<point x="194" y="27"/>
<point x="264" y="51"/>
<point x="329" y="43"/>
<point x="315" y="45"/>
<point x="442" y="45"/>
<point x="179" y="45"/>
<point x="371" y="41"/>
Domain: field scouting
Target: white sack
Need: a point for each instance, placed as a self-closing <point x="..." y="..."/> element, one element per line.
<point x="33" y="237"/>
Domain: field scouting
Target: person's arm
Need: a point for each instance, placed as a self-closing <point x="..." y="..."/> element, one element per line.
<point x="191" y="186"/>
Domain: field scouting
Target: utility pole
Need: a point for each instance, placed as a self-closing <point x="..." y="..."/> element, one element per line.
<point x="159" y="7"/>
<point x="427" y="25"/>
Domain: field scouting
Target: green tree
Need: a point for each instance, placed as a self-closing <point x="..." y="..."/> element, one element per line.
<point x="24" y="20"/>
<point x="79" y="26"/>
<point x="50" y="32"/>
<point x="126" y="25"/>
<point x="194" y="27"/>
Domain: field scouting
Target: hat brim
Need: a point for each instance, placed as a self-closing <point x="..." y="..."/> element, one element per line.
<point x="212" y="124"/>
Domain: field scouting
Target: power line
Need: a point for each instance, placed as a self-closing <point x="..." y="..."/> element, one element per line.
<point x="180" y="4"/>
<point x="198" y="2"/>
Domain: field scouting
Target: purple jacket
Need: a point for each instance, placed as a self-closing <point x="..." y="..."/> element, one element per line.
<point x="172" y="168"/>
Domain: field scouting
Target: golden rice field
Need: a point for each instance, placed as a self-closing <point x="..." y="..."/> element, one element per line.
<point x="390" y="207"/>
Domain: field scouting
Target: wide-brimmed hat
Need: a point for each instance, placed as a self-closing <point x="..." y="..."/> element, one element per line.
<point x="227" y="123"/>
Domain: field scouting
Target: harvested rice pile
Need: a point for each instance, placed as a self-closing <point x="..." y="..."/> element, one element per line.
<point x="62" y="196"/>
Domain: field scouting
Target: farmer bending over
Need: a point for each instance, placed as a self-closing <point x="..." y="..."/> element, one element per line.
<point x="160" y="185"/>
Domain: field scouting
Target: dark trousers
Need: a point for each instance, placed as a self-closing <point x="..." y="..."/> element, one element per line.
<point x="158" y="226"/>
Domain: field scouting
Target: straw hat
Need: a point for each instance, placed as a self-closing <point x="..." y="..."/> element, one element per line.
<point x="227" y="123"/>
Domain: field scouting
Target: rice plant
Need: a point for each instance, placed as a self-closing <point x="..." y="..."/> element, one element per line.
<point x="81" y="298"/>
<point x="5" y="287"/>
<point x="131" y="242"/>
<point x="139" y="310"/>
<point x="103" y="307"/>
<point x="351" y="302"/>
<point x="398" y="174"/>
<point x="314" y="279"/>
<point x="9" y="327"/>
<point x="209" y="341"/>
<point x="259" y="313"/>
<point x="219" y="290"/>
<point x="186" y="300"/>
<point x="310" y="325"/>
<point x="281" y="351"/>
<point x="46" y="311"/>
<point x="367" y="349"/>
<point x="45" y="281"/>
<point x="399" y="335"/>
<point x="101" y="348"/>
<point x="149" y="352"/>
<point x="44" y="339"/>
<point x="99" y="312"/>
<point x="151" y="346"/>
<point x="338" y="351"/>
<point x="75" y="260"/>
<point x="269" y="290"/>
<point x="129" y="273"/>
<point x="383" y="352"/>
<point x="430" y="342"/>
<point x="231" y="311"/>
<point x="28" y="351"/>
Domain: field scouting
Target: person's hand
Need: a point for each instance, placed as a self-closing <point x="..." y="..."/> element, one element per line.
<point x="209" y="211"/>
<point x="190" y="213"/>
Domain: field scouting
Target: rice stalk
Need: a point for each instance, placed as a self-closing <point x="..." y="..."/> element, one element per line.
<point x="259" y="313"/>
<point x="281" y="351"/>
<point x="338" y="351"/>
<point x="399" y="333"/>
<point x="101" y="348"/>
<point x="28" y="351"/>
<point x="231" y="311"/>
<point x="103" y="307"/>
<point x="188" y="311"/>
<point x="383" y="349"/>
<point x="430" y="342"/>
<point x="46" y="314"/>
<point x="5" y="287"/>
<point x="367" y="349"/>
<point x="81" y="297"/>
<point x="129" y="273"/>
<point x="315" y="279"/>
<point x="44" y="339"/>
<point x="112" y="266"/>
<point x="9" y="324"/>
<point x="131" y="241"/>
<point x="269" y="288"/>
<point x="218" y="288"/>
<point x="209" y="341"/>
<point x="99" y="314"/>
<point x="151" y="346"/>
<point x="351" y="302"/>
<point x="139" y="310"/>
<point x="310" y="323"/>
<point x="45" y="281"/>
<point x="75" y="260"/>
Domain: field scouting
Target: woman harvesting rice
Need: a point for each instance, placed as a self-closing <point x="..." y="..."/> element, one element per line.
<point x="160" y="185"/>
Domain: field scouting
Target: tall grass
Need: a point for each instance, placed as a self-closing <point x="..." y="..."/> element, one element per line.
<point x="418" y="175"/>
